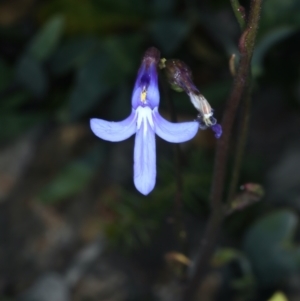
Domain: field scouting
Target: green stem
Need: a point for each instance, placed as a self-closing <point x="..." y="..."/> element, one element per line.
<point x="241" y="82"/>
<point x="252" y="26"/>
<point x="246" y="47"/>
<point x="240" y="147"/>
<point x="239" y="12"/>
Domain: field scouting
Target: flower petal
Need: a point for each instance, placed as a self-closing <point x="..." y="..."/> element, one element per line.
<point x="174" y="132"/>
<point x="144" y="159"/>
<point x="153" y="91"/>
<point x="146" y="85"/>
<point x="217" y="129"/>
<point x="114" y="131"/>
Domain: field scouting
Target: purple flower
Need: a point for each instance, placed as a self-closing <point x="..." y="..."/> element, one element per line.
<point x="145" y="121"/>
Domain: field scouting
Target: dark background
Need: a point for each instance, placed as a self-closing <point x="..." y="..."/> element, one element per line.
<point x="72" y="225"/>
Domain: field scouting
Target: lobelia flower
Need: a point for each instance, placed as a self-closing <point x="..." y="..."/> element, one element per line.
<point x="180" y="78"/>
<point x="145" y="121"/>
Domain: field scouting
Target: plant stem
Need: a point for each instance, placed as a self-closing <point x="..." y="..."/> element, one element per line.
<point x="246" y="47"/>
<point x="241" y="82"/>
<point x="239" y="12"/>
<point x="239" y="152"/>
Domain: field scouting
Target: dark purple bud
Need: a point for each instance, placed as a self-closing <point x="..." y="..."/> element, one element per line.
<point x="179" y="76"/>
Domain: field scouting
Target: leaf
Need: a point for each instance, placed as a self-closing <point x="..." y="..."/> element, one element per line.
<point x="224" y="256"/>
<point x="278" y="296"/>
<point x="162" y="7"/>
<point x="121" y="102"/>
<point x="106" y="70"/>
<point x="250" y="194"/>
<point x="277" y="13"/>
<point x="177" y="257"/>
<point x="124" y="52"/>
<point x="89" y="87"/>
<point x="169" y="33"/>
<point x="5" y="75"/>
<point x="47" y="39"/>
<point x="91" y="16"/>
<point x="219" y="31"/>
<point x="73" y="54"/>
<point x="30" y="74"/>
<point x="13" y="101"/>
<point x="14" y="124"/>
<point x="279" y="20"/>
<point x="270" y="249"/>
<point x="264" y="45"/>
<point x="71" y="180"/>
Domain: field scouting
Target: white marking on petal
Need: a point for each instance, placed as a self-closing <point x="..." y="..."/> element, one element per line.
<point x="150" y="120"/>
<point x="139" y="120"/>
<point x="145" y="118"/>
<point x="145" y="127"/>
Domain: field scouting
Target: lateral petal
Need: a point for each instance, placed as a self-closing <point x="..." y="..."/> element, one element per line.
<point x="114" y="131"/>
<point x="174" y="132"/>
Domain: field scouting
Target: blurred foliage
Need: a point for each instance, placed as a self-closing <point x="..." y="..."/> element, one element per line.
<point x="278" y="296"/>
<point x="279" y="20"/>
<point x="270" y="247"/>
<point x="245" y="283"/>
<point x="127" y="229"/>
<point x="66" y="61"/>
<point x="47" y="39"/>
<point x="72" y="178"/>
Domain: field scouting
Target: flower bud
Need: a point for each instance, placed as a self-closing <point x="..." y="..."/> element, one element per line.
<point x="179" y="76"/>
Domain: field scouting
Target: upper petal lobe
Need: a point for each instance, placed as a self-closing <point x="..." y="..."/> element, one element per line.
<point x="146" y="84"/>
